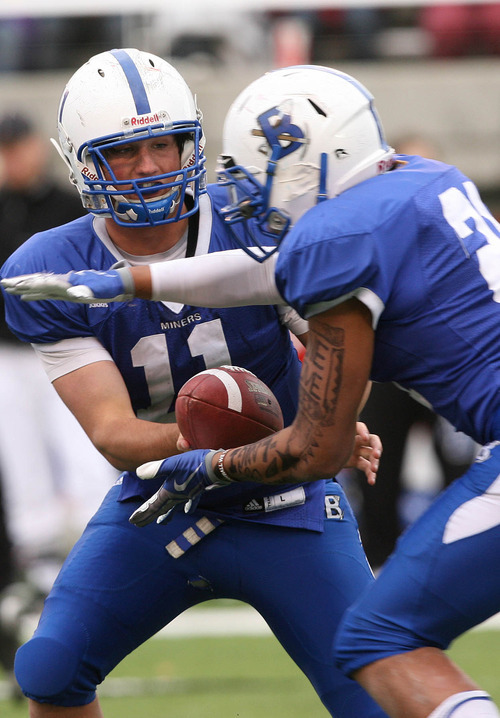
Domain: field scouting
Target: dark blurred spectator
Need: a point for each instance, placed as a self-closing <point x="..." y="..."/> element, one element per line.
<point x="401" y="495"/>
<point x="350" y="33"/>
<point x="456" y="30"/>
<point x="362" y="26"/>
<point x="33" y="44"/>
<point x="31" y="413"/>
<point x="13" y="33"/>
<point x="300" y="37"/>
<point x="30" y="200"/>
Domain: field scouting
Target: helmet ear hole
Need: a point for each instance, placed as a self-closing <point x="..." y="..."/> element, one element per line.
<point x="125" y="96"/>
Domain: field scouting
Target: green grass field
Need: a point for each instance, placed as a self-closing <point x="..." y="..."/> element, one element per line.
<point x="239" y="677"/>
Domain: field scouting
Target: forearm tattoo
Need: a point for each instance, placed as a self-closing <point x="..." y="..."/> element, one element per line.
<point x="322" y="376"/>
<point x="270" y="460"/>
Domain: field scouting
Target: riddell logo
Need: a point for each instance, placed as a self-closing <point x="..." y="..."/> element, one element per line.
<point x="192" y="159"/>
<point x="144" y="120"/>
<point x="87" y="173"/>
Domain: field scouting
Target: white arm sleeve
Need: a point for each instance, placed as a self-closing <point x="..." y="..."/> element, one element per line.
<point x="220" y="279"/>
<point x="293" y="321"/>
<point x="59" y="358"/>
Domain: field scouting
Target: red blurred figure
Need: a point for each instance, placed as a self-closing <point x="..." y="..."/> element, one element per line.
<point x="463" y="29"/>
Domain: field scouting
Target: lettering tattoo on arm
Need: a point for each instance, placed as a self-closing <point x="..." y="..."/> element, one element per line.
<point x="272" y="460"/>
<point x="322" y="376"/>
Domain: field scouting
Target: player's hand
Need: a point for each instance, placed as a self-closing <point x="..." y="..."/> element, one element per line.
<point x="183" y="444"/>
<point x="85" y="287"/>
<point x="366" y="453"/>
<point x="185" y="476"/>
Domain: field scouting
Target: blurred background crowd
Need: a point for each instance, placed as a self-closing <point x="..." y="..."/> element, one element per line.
<point x="434" y="71"/>
<point x="322" y="32"/>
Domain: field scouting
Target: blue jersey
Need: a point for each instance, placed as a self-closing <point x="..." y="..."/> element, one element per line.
<point x="419" y="247"/>
<point x="157" y="346"/>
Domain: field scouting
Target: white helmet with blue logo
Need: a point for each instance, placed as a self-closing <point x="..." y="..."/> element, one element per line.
<point x="123" y="96"/>
<point x="294" y="137"/>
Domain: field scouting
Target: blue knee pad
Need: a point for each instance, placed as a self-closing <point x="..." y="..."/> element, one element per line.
<point x="47" y="667"/>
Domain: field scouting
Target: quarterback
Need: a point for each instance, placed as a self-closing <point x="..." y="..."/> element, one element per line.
<point x="394" y="260"/>
<point x="131" y="135"/>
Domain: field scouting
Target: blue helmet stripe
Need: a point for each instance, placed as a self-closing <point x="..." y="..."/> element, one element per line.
<point x="63" y="102"/>
<point x="134" y="80"/>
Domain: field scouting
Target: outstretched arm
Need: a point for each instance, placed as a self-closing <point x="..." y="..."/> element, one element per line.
<point x="220" y="279"/>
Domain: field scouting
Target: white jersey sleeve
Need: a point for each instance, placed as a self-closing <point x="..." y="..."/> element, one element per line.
<point x="67" y="355"/>
<point x="221" y="279"/>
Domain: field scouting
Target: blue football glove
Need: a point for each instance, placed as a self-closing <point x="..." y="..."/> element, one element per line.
<point x="85" y="287"/>
<point x="186" y="478"/>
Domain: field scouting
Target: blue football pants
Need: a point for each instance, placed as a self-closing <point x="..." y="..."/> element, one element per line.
<point x="119" y="586"/>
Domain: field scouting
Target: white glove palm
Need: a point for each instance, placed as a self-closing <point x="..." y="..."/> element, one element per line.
<point x="84" y="287"/>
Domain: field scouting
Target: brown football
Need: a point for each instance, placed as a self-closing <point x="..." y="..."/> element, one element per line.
<point x="226" y="407"/>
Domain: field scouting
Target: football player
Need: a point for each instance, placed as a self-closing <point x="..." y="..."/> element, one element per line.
<point x="396" y="266"/>
<point x="131" y="135"/>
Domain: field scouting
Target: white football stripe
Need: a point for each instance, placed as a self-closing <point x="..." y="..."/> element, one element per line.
<point x="234" y="398"/>
<point x="475" y="516"/>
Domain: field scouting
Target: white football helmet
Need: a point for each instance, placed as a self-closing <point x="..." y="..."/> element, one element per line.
<point x="123" y="96"/>
<point x="292" y="138"/>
